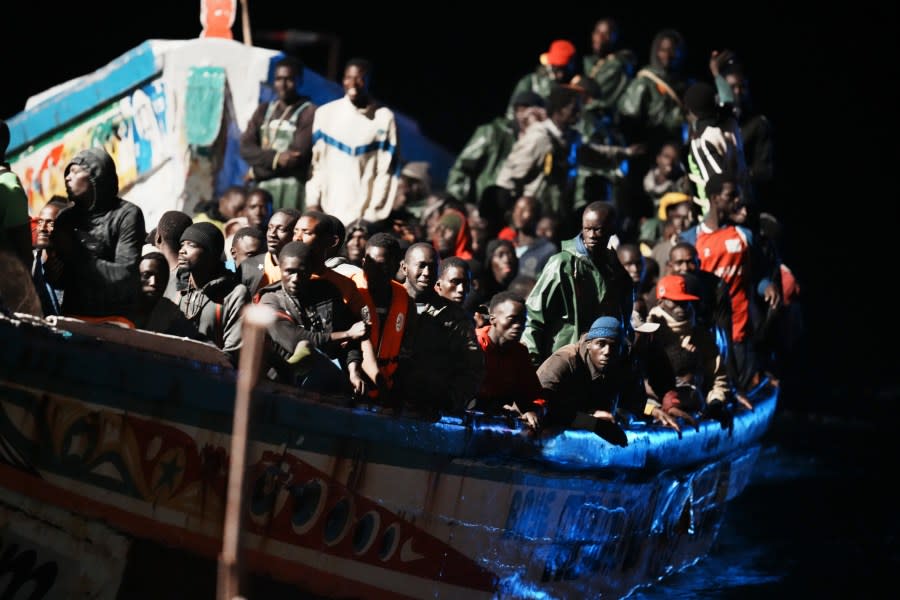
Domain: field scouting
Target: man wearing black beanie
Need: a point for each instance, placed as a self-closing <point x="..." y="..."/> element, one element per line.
<point x="207" y="235"/>
<point x="208" y="294"/>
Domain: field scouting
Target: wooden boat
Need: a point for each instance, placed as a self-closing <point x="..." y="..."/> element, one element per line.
<point x="109" y="436"/>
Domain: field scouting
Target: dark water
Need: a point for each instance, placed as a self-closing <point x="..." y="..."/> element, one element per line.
<point x="819" y="518"/>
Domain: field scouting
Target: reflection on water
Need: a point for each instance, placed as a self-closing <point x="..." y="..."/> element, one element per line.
<point x="819" y="519"/>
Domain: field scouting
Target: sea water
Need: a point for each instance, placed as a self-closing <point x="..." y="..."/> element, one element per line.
<point x="819" y="518"/>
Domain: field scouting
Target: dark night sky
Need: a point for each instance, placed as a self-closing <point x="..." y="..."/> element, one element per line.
<point x="824" y="79"/>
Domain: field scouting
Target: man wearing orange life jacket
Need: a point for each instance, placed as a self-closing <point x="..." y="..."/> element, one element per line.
<point x="389" y="308"/>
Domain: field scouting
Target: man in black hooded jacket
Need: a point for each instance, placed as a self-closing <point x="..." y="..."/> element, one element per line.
<point x="99" y="239"/>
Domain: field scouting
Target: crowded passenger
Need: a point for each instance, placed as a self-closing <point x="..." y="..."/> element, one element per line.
<point x="428" y="298"/>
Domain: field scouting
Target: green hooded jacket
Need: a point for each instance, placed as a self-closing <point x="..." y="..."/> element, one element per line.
<point x="570" y="293"/>
<point x="476" y="166"/>
<point x="612" y="74"/>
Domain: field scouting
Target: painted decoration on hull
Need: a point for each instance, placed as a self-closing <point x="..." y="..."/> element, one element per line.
<point x="160" y="470"/>
<point x="132" y="129"/>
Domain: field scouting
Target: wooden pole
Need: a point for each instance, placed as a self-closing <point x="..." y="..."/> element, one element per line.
<point x="334" y="51"/>
<point x="256" y="319"/>
<point x="245" y="23"/>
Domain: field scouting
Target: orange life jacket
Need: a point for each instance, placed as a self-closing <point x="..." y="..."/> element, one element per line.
<point x="386" y="341"/>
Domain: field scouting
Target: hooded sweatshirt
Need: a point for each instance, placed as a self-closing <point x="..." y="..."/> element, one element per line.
<point x="101" y="272"/>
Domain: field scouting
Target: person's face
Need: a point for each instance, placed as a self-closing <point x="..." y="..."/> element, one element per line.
<point x="596" y="229"/>
<point x="561" y="74"/>
<point x="523" y="214"/>
<point x="680" y="217"/>
<point x="356" y="246"/>
<point x="305" y="230"/>
<point x="508" y="321"/>
<point x="431" y="224"/>
<point x="232" y="203"/>
<point x="725" y="201"/>
<point x="45" y="222"/>
<point x="546" y="228"/>
<point x="294" y="275"/>
<point x="78" y="182"/>
<point x="285" y="83"/>
<point x="378" y="265"/>
<point x="740" y="214"/>
<point x="404" y="230"/>
<point x="680" y="310"/>
<point x="355" y="84"/>
<point x="409" y="189"/>
<point x="570" y="113"/>
<point x="522" y="116"/>
<point x="154" y="277"/>
<point x="602" y="38"/>
<point x="256" y="210"/>
<point x="420" y="270"/>
<point x="738" y="87"/>
<point x="681" y="261"/>
<point x="631" y="260"/>
<point x="504" y="263"/>
<point x="667" y="156"/>
<point x="478" y="230"/>
<point x="446" y="239"/>
<point x="279" y="232"/>
<point x="244" y="248"/>
<point x="191" y="255"/>
<point x="601" y="352"/>
<point x="454" y="284"/>
<point x="668" y="54"/>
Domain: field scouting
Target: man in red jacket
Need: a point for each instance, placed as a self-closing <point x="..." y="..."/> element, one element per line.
<point x="510" y="380"/>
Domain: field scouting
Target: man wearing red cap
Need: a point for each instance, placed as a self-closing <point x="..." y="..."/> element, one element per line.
<point x="556" y="65"/>
<point x="690" y="350"/>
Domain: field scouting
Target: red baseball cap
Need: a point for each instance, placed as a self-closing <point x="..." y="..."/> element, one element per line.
<point x="560" y="53"/>
<point x="673" y="287"/>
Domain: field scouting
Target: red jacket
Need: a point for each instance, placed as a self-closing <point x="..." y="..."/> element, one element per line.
<point x="509" y="376"/>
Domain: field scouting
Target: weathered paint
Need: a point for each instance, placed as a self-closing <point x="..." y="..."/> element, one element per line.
<point x="55" y="554"/>
<point x="132" y="129"/>
<point x="344" y="500"/>
<point x="162" y="128"/>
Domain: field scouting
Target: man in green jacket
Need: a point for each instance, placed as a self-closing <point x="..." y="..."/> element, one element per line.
<point x="612" y="68"/>
<point x="476" y="166"/>
<point x="579" y="283"/>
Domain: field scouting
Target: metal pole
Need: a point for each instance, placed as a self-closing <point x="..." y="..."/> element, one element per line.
<point x="256" y="319"/>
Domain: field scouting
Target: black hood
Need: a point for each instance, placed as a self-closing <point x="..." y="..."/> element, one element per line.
<point x="101" y="170"/>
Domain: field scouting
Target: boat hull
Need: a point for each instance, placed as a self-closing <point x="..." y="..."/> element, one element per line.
<point x="341" y="502"/>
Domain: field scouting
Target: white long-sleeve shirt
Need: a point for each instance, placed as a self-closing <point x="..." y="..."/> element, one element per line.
<point x="354" y="158"/>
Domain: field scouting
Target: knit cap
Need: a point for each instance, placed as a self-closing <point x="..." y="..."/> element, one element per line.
<point x="207" y="236"/>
